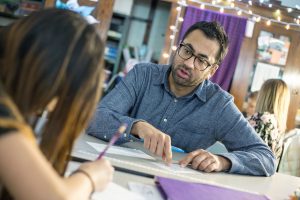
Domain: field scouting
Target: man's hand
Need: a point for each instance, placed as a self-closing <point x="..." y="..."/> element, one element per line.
<point x="205" y="161"/>
<point x="155" y="141"/>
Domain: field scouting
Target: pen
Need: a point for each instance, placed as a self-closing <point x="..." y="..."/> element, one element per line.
<point x="176" y="149"/>
<point x="116" y="136"/>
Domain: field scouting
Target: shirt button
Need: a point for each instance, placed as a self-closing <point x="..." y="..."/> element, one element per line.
<point x="175" y="100"/>
<point x="165" y="120"/>
<point x="105" y="136"/>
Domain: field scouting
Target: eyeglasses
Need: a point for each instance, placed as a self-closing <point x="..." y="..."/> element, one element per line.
<point x="185" y="52"/>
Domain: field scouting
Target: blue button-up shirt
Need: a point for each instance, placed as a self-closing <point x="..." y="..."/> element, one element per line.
<point x="194" y="121"/>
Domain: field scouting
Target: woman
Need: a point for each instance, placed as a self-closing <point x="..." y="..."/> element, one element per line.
<point x="51" y="57"/>
<point x="269" y="121"/>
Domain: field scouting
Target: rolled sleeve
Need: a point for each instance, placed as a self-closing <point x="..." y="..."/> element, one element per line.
<point x="114" y="110"/>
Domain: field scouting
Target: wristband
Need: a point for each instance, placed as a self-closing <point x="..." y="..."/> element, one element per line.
<point x="88" y="176"/>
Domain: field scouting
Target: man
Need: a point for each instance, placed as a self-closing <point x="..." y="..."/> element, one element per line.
<point x="178" y="105"/>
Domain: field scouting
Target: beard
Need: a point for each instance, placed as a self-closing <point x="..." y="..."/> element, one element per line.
<point x="183" y="76"/>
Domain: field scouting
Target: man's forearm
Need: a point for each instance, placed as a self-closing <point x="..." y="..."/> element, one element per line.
<point x="251" y="163"/>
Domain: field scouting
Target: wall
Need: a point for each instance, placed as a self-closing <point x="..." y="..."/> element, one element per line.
<point x="160" y="22"/>
<point x="140" y="11"/>
<point x="137" y="28"/>
<point x="123" y="7"/>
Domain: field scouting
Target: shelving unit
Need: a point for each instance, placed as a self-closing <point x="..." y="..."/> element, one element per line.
<point x="116" y="38"/>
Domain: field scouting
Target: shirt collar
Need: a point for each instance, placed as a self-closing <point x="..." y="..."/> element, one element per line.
<point x="162" y="79"/>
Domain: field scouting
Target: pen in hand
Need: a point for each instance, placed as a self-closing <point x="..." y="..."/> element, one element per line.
<point x="115" y="137"/>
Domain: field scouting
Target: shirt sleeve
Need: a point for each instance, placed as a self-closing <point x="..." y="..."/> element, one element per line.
<point x="115" y="109"/>
<point x="249" y="154"/>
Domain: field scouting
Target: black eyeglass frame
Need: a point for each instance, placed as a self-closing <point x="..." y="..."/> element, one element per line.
<point x="195" y="56"/>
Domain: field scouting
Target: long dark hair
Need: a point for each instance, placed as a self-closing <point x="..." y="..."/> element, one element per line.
<point x="53" y="54"/>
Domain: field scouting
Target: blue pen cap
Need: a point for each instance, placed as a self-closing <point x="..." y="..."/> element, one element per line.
<point x="176" y="149"/>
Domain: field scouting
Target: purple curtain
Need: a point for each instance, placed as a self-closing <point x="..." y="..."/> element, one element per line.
<point x="235" y="29"/>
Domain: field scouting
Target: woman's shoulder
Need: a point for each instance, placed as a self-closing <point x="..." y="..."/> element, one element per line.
<point x="269" y="118"/>
<point x="264" y="118"/>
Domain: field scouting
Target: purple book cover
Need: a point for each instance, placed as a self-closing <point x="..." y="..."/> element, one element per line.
<point x="179" y="190"/>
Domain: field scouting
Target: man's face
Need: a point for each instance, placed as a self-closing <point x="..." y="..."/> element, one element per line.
<point x="184" y="73"/>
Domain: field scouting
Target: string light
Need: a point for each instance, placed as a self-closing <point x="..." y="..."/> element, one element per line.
<point x="287" y="27"/>
<point x="172" y="27"/>
<point x="174" y="48"/>
<point x="258" y="18"/>
<point x="279" y="18"/>
<point x="165" y="55"/>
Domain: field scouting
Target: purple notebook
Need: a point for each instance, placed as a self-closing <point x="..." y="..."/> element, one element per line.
<point x="179" y="190"/>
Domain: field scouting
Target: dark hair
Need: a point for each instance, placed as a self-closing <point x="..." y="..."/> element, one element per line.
<point x="53" y="54"/>
<point x="253" y="95"/>
<point x="212" y="30"/>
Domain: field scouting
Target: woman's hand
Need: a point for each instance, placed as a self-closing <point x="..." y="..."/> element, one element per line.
<point x="100" y="171"/>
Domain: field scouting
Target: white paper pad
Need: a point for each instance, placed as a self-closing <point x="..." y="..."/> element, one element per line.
<point x="174" y="167"/>
<point x="121" y="151"/>
<point x="116" y="192"/>
<point x="149" y="192"/>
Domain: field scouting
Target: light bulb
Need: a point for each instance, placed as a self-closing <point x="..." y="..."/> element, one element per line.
<point x="287" y="27"/>
<point x="165" y="55"/>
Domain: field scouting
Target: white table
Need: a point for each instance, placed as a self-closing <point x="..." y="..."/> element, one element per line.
<point x="278" y="186"/>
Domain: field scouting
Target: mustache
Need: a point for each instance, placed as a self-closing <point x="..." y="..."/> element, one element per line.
<point x="185" y="68"/>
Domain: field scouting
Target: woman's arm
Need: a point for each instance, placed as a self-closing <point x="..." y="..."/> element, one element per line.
<point x="26" y="173"/>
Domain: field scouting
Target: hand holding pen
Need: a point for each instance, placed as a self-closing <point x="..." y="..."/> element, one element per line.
<point x="115" y="137"/>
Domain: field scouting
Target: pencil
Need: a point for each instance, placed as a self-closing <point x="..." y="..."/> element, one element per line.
<point x="116" y="136"/>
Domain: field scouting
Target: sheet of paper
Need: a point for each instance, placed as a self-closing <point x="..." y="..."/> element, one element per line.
<point x="174" y="167"/>
<point x="121" y="151"/>
<point x="149" y="192"/>
<point x="116" y="192"/>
